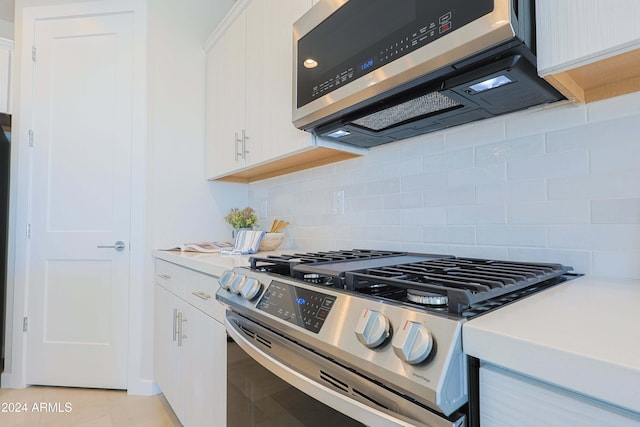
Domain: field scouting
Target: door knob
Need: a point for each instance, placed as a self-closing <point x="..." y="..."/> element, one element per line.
<point x="118" y="246"/>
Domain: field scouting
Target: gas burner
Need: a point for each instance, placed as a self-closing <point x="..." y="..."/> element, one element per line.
<point x="318" y="279"/>
<point x="426" y="298"/>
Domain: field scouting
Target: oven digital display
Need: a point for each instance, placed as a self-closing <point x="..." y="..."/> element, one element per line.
<point x="303" y="307"/>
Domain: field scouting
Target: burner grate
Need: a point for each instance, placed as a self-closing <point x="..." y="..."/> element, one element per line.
<point x="284" y="264"/>
<point x="466" y="282"/>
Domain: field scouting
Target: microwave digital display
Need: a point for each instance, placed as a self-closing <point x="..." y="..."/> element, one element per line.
<point x="364" y="35"/>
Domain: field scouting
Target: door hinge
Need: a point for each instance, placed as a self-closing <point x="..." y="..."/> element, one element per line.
<point x="33" y="53"/>
<point x="25" y="324"/>
<point x="28" y="231"/>
<point x="30" y="137"/>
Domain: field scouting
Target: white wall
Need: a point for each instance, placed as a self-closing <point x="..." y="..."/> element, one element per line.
<point x="6" y="29"/>
<point x="181" y="204"/>
<point x="559" y="184"/>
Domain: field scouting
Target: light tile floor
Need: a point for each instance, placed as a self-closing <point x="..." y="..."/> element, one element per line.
<point x="75" y="407"/>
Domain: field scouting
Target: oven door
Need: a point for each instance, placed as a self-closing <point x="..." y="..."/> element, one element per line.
<point x="327" y="397"/>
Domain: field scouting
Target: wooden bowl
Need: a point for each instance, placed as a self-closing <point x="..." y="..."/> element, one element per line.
<point x="271" y="241"/>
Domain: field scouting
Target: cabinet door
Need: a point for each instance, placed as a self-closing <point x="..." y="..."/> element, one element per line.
<point x="225" y="100"/>
<point x="205" y="369"/>
<point x="572" y="33"/>
<point x="167" y="357"/>
<point x="269" y="80"/>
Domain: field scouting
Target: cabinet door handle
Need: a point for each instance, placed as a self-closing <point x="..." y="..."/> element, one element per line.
<point x="244" y="145"/>
<point x="164" y="276"/>
<point x="175" y="324"/>
<point x="238" y="140"/>
<point x="181" y="336"/>
<point x="202" y="295"/>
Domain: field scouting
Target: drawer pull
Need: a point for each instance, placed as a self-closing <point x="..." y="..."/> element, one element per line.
<point x="164" y="276"/>
<point x="202" y="295"/>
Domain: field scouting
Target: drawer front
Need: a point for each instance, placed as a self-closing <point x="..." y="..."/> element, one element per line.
<point x="200" y="291"/>
<point x="170" y="276"/>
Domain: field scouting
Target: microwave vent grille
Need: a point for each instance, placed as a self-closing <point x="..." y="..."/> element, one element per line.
<point x="418" y="107"/>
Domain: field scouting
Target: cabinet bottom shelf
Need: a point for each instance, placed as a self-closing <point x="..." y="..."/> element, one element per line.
<point x="317" y="156"/>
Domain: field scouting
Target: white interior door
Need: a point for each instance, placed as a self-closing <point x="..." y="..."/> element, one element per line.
<point x="81" y="190"/>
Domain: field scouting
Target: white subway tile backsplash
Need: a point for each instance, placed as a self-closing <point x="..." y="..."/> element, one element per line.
<point x="411" y="166"/>
<point x="365" y="232"/>
<point x="542" y="185"/>
<point x="610" y="237"/>
<point x="528" y="146"/>
<point x="489" y="130"/>
<point x="524" y="190"/>
<point x="614" y="184"/>
<point x="623" y="265"/>
<point x="379" y="217"/>
<point x="615" y="211"/>
<point x="449" y="160"/>
<point x="450" y="196"/>
<point x="424" y="216"/>
<point x="402" y="200"/>
<point x="402" y="234"/>
<point x="549" y="166"/>
<point x="626" y="105"/>
<point x="476" y="214"/>
<point x="616" y="157"/>
<point x="554" y="212"/>
<point x="421" y="145"/>
<point x="525" y="235"/>
<point x="613" y="132"/>
<point x="489" y="174"/>
<point x="390" y="185"/>
<point x="424" y="181"/>
<point x="450" y="235"/>
<point x="552" y="117"/>
<point x="364" y="203"/>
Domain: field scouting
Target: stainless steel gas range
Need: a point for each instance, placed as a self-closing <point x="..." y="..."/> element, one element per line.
<point x="376" y="335"/>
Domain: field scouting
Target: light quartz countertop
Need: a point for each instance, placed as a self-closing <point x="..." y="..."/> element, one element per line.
<point x="214" y="264"/>
<point x="582" y="335"/>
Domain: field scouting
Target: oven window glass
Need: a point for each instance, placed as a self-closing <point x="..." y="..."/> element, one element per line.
<point x="256" y="397"/>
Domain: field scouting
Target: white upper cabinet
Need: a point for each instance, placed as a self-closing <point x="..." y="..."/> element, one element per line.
<point x="6" y="55"/>
<point x="225" y="100"/>
<point x="589" y="49"/>
<point x="249" y="94"/>
<point x="269" y="79"/>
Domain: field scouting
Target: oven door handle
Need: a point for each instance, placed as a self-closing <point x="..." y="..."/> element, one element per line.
<point x="352" y="408"/>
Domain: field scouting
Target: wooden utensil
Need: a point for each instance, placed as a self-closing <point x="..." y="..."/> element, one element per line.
<point x="278" y="225"/>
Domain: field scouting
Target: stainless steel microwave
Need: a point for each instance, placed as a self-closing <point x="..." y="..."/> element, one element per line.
<point x="368" y="72"/>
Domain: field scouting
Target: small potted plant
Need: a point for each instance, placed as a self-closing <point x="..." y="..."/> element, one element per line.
<point x="242" y="219"/>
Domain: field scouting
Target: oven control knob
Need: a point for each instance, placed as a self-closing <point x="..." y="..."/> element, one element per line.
<point x="250" y="289"/>
<point x="225" y="279"/>
<point x="412" y="343"/>
<point x="236" y="283"/>
<point x="372" y="328"/>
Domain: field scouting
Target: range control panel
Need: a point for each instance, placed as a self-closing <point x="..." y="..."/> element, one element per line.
<point x="303" y="307"/>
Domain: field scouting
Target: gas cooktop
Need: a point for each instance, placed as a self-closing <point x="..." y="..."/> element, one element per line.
<point x="444" y="283"/>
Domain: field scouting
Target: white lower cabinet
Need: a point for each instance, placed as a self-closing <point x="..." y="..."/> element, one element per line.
<point x="190" y="347"/>
<point x="508" y="399"/>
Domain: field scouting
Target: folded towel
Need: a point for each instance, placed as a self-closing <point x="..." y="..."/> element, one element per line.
<point x="247" y="242"/>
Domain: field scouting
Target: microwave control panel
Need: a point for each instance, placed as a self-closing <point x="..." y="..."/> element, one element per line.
<point x="364" y="35"/>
